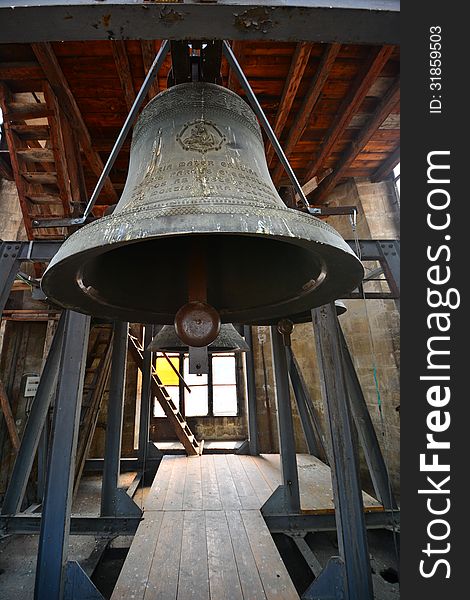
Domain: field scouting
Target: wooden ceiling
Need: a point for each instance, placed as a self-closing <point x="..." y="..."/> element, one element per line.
<point x="335" y="108"/>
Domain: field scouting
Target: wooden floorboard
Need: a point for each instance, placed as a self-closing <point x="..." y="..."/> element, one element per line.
<point x="203" y="536"/>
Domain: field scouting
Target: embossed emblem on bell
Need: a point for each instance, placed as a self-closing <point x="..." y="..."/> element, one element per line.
<point x="198" y="178"/>
<point x="228" y="340"/>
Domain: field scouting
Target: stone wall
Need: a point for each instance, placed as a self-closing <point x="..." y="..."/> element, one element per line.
<point x="371" y="329"/>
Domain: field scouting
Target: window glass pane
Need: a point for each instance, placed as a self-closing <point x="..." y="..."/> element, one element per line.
<point x="225" y="400"/>
<point x="164" y="370"/>
<point x="223" y="369"/>
<point x="197" y="402"/>
<point x="174" y="393"/>
<point x="192" y="379"/>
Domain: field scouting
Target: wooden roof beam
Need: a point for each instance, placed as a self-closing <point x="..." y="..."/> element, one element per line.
<point x="313" y="93"/>
<point x="124" y="71"/>
<point x="388" y="102"/>
<point x="54" y="74"/>
<point x="351" y="104"/>
<point x="296" y="71"/>
<point x="238" y="49"/>
<point x="387" y="166"/>
<point x="148" y="56"/>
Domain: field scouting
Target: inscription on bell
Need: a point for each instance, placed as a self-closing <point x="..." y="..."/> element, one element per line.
<point x="200" y="136"/>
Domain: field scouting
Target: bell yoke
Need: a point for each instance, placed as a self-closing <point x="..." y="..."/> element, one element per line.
<point x="199" y="199"/>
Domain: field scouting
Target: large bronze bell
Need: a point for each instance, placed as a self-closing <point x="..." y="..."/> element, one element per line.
<point x="198" y="196"/>
<point x="228" y="340"/>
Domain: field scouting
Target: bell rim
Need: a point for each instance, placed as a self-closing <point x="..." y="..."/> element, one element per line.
<point x="63" y="261"/>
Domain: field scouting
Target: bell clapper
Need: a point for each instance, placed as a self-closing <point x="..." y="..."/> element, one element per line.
<point x="197" y="323"/>
<point x="285" y="328"/>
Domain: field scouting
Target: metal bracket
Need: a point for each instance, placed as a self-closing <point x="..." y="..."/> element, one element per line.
<point x="124" y="505"/>
<point x="78" y="586"/>
<point x="329" y="585"/>
<point x="277" y="503"/>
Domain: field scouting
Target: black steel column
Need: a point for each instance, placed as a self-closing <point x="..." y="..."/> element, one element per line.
<point x="145" y="395"/>
<point x="112" y="451"/>
<point x="251" y="390"/>
<point x="35" y="424"/>
<point x="55" y="522"/>
<point x="9" y="267"/>
<point x="349" y="510"/>
<point x="285" y="424"/>
<point x="366" y="432"/>
<point x="307" y="420"/>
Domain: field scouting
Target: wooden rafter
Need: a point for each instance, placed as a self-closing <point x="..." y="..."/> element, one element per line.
<point x="148" y="56"/>
<point x="124" y="71"/>
<point x="238" y="50"/>
<point x="313" y="93"/>
<point x="296" y="71"/>
<point x="387" y="104"/>
<point x="54" y="74"/>
<point x="5" y="170"/>
<point x="387" y="166"/>
<point x="350" y="104"/>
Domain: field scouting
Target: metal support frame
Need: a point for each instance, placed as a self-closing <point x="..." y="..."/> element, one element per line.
<point x="115" y="501"/>
<point x="349" y="509"/>
<point x="9" y="267"/>
<point x="55" y="522"/>
<point x="251" y="393"/>
<point x="145" y="397"/>
<point x="308" y="418"/>
<point x="286" y="498"/>
<point x="34" y="425"/>
<point x="29" y="524"/>
<point x="345" y="21"/>
<point x="366" y="432"/>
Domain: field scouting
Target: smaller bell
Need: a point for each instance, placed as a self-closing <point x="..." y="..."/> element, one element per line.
<point x="228" y="340"/>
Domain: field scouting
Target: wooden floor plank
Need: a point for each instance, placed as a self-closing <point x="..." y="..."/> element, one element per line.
<point x="192" y="494"/>
<point x="252" y="587"/>
<point x="227" y="489"/>
<point x="174" y="494"/>
<point x="223" y="575"/>
<point x="276" y="581"/>
<point x="193" y="580"/>
<point x="258" y="482"/>
<point x="156" y="497"/>
<point x="246" y="493"/>
<point x="210" y="487"/>
<point x="133" y="578"/>
<point x="163" y="576"/>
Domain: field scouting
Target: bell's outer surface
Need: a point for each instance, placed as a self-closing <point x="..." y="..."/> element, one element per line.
<point x="198" y="171"/>
<point x="228" y="340"/>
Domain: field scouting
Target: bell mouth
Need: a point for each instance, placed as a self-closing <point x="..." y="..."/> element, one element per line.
<point x="249" y="277"/>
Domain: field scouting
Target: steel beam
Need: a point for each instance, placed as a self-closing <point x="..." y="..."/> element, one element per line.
<point x="112" y="451"/>
<point x="145" y="395"/>
<point x="285" y="424"/>
<point x="344" y="21"/>
<point x="366" y="432"/>
<point x="55" y="523"/>
<point x="251" y="389"/>
<point x="347" y="493"/>
<point x="303" y="523"/>
<point x="34" y="425"/>
<point x="27" y="524"/>
<point x="308" y="418"/>
<point x="9" y="267"/>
